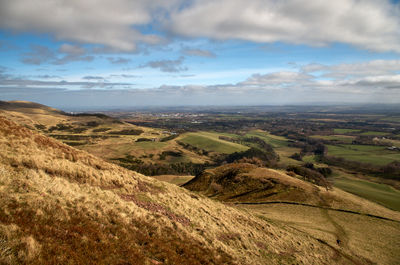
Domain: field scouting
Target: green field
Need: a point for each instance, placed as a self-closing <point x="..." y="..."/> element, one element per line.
<point x="340" y="131"/>
<point x="379" y="193"/>
<point x="343" y="138"/>
<point x="376" y="155"/>
<point x="210" y="141"/>
<point x="372" y="133"/>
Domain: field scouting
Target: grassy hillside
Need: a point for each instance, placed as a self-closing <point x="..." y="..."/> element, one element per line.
<point x="373" y="239"/>
<point x="345" y="222"/>
<point x="60" y="205"/>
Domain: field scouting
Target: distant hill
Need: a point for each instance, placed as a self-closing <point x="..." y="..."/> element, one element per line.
<point x="61" y="205"/>
<point x="27" y="106"/>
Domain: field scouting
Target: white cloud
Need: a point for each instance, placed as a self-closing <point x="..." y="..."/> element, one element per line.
<point x="369" y="68"/>
<point x="109" y="23"/>
<point x="369" y="24"/>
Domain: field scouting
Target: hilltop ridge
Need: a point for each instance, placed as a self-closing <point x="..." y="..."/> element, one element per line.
<point x="27" y="105"/>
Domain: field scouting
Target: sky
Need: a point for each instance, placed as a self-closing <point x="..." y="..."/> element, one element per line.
<point x="133" y="53"/>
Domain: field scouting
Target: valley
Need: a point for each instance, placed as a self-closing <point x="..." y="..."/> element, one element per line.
<point x="246" y="185"/>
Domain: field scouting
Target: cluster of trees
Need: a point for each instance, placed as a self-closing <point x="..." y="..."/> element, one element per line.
<point x="168" y="138"/>
<point x="312" y="174"/>
<point x="143" y="140"/>
<point x="128" y="132"/>
<point x="164" y="154"/>
<point x="101" y="129"/>
<point x="151" y="169"/>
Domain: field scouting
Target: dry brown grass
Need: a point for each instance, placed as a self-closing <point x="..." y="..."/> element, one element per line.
<point x="60" y="205"/>
<point x="365" y="239"/>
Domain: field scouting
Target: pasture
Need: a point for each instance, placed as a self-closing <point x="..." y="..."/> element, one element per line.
<point x="376" y="155"/>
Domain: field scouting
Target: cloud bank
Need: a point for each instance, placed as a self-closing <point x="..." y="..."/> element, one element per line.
<point x="362" y="84"/>
<point x="120" y="24"/>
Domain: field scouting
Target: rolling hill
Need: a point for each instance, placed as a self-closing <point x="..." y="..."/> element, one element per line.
<point x="355" y="227"/>
<point x="60" y="205"/>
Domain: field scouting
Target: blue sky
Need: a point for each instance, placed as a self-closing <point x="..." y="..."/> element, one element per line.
<point x="75" y="54"/>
